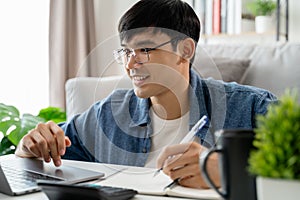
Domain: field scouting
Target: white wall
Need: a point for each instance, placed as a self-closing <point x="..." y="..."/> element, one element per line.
<point x="294" y="26"/>
<point x="108" y="14"/>
<point x="107" y="18"/>
<point x="24" y="54"/>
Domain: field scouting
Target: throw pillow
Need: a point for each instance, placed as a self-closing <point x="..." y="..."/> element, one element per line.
<point x="222" y="68"/>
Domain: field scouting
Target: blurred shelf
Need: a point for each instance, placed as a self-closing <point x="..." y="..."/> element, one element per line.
<point x="247" y="37"/>
<point x="214" y="12"/>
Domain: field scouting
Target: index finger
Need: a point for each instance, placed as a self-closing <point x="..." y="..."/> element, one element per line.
<point x="60" y="137"/>
<point x="171" y="151"/>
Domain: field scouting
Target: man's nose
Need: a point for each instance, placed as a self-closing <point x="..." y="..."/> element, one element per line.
<point x="133" y="62"/>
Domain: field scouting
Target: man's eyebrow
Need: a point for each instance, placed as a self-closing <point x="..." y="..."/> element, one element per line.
<point x="141" y="43"/>
<point x="144" y="43"/>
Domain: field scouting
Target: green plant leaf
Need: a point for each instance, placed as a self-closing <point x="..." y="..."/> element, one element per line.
<point x="10" y="125"/>
<point x="53" y="113"/>
<point x="9" y="119"/>
<point x="277" y="139"/>
<point x="13" y="127"/>
<point x="6" y="146"/>
<point x="10" y="110"/>
<point x="262" y="7"/>
<point x="28" y="122"/>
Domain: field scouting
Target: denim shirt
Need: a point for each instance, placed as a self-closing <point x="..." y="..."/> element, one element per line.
<point x="117" y="130"/>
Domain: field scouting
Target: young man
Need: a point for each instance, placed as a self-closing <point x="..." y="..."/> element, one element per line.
<point x="144" y="126"/>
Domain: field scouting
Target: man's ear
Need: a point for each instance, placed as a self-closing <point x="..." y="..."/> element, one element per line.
<point x="187" y="48"/>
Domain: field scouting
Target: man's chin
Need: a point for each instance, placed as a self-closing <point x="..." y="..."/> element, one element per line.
<point x="141" y="94"/>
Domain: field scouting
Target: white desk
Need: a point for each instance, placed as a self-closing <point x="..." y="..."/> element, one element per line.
<point x="42" y="196"/>
<point x="107" y="169"/>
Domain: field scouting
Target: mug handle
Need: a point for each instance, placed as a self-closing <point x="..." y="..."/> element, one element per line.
<point x="206" y="176"/>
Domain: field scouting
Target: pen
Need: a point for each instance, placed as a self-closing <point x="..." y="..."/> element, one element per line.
<point x="190" y="135"/>
<point x="171" y="185"/>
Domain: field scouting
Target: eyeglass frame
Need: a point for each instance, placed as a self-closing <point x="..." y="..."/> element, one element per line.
<point x="132" y="52"/>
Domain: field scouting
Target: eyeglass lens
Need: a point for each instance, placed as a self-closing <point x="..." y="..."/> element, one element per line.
<point x="123" y="56"/>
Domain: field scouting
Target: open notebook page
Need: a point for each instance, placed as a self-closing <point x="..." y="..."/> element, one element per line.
<point x="142" y="180"/>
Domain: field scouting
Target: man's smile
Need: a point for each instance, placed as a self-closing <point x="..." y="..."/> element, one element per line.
<point x="139" y="78"/>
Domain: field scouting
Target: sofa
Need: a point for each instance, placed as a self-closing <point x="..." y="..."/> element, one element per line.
<point x="273" y="67"/>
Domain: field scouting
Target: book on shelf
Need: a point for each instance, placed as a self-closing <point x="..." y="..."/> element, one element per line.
<point x="216" y="17"/>
<point x="223" y="16"/>
<point x="208" y="16"/>
<point x="143" y="180"/>
<point x="200" y="11"/>
<point x="234" y="16"/>
<point x="220" y="16"/>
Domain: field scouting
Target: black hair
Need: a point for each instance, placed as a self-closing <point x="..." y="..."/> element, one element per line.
<point x="172" y="17"/>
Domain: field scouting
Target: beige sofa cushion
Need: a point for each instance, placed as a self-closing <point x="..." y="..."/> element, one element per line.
<point x="272" y="67"/>
<point x="222" y="68"/>
<point x="82" y="92"/>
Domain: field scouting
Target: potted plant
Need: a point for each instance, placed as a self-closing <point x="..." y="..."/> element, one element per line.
<point x="13" y="126"/>
<point x="276" y="158"/>
<point x="248" y="22"/>
<point x="263" y="10"/>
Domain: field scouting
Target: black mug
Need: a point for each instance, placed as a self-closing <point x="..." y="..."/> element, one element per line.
<point x="233" y="147"/>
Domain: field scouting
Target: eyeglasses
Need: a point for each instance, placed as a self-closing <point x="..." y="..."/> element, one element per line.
<point x="141" y="55"/>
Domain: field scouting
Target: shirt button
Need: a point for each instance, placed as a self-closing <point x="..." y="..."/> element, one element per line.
<point x="144" y="150"/>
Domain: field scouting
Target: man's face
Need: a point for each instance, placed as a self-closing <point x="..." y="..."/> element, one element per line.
<point x="162" y="72"/>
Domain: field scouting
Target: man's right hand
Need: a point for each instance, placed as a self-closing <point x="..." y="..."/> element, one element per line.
<point x="46" y="140"/>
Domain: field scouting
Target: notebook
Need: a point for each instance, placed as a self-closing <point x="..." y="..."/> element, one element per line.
<point x="18" y="175"/>
<point x="143" y="180"/>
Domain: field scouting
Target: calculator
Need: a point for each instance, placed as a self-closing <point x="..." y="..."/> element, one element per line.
<point x="62" y="191"/>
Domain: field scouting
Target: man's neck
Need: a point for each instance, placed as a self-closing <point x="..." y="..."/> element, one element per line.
<point x="170" y="106"/>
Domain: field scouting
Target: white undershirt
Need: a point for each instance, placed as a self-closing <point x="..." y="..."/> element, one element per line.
<point x="165" y="133"/>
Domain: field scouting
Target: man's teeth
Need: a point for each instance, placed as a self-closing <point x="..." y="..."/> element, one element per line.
<point x="139" y="78"/>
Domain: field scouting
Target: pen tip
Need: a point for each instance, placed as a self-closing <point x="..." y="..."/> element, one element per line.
<point x="156" y="172"/>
